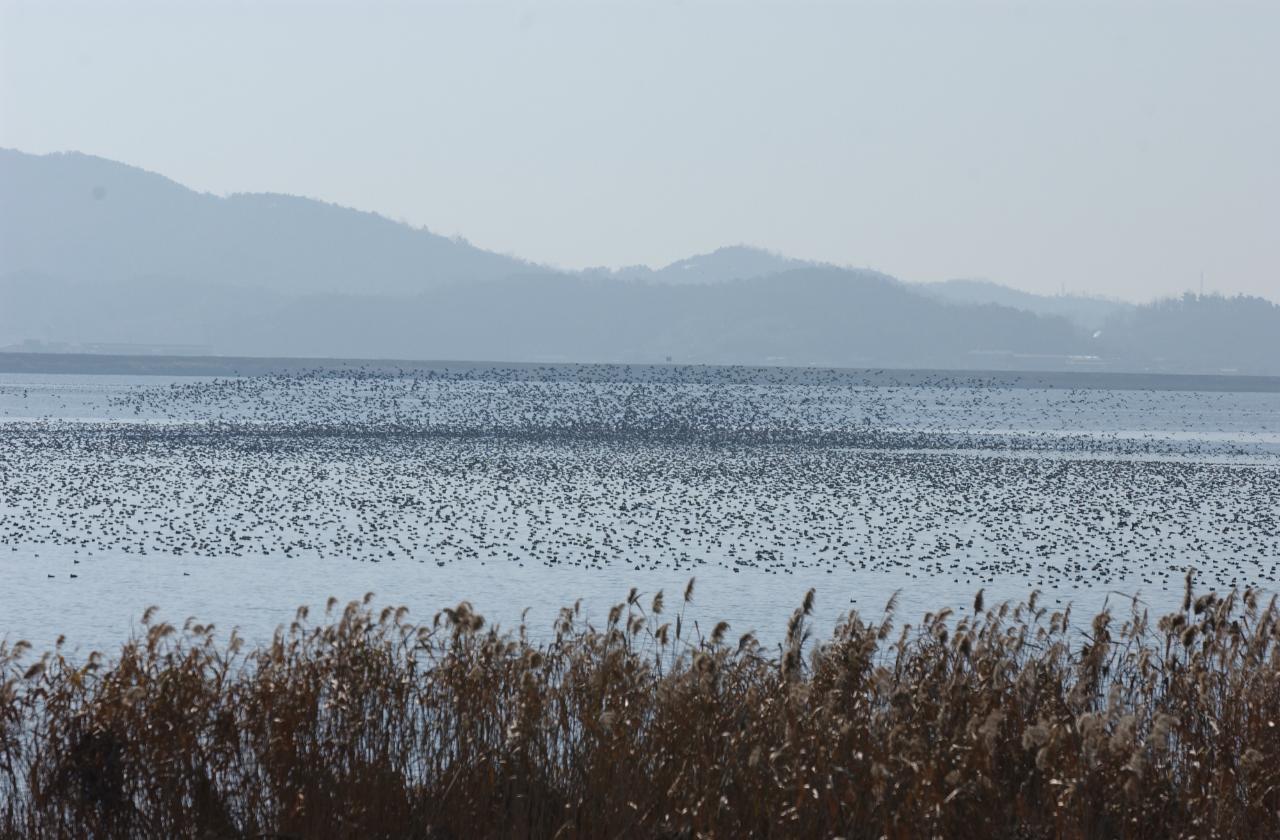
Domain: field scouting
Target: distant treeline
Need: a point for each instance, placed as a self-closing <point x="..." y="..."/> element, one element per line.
<point x="1208" y="332"/>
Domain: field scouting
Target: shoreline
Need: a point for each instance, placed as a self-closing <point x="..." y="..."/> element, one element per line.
<point x="93" y="364"/>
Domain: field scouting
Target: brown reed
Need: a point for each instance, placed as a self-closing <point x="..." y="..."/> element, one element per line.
<point x="1005" y="722"/>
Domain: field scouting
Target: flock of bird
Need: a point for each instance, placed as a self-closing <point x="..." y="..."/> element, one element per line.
<point x="606" y="467"/>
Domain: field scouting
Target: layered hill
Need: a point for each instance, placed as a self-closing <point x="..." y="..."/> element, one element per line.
<point x="100" y="256"/>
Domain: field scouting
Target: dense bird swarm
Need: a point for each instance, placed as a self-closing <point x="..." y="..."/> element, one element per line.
<point x="1005" y="721"/>
<point x="684" y="468"/>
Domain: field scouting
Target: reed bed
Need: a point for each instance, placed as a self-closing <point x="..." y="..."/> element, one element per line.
<point x="1001" y="721"/>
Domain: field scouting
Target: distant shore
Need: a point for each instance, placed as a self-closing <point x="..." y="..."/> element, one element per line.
<point x="158" y="365"/>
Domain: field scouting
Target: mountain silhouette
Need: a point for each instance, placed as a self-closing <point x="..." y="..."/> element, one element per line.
<point x="81" y="217"/>
<point x="100" y="256"/>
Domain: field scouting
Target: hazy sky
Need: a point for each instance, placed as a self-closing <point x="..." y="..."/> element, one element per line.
<point x="1119" y="148"/>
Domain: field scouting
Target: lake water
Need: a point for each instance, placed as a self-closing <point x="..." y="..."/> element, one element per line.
<point x="235" y="500"/>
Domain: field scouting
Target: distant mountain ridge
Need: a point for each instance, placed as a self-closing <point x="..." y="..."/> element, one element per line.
<point x="76" y="216"/>
<point x="96" y="254"/>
